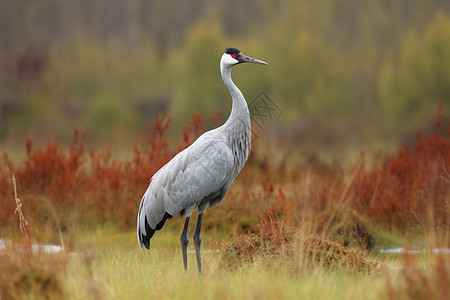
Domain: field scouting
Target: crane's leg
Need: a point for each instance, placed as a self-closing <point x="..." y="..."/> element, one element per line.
<point x="184" y="242"/>
<point x="198" y="241"/>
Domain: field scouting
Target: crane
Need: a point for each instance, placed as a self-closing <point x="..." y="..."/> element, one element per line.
<point x="200" y="175"/>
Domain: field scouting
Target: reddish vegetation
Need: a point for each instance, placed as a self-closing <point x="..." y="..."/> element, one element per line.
<point x="302" y="247"/>
<point x="408" y="189"/>
<point x="83" y="184"/>
<point x="196" y="126"/>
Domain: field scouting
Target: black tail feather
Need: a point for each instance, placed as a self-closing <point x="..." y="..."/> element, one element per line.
<point x="145" y="238"/>
<point x="163" y="221"/>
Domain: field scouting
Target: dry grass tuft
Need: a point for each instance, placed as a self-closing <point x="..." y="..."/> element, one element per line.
<point x="318" y="251"/>
<point x="28" y="275"/>
<point x="22" y="222"/>
<point x="302" y="248"/>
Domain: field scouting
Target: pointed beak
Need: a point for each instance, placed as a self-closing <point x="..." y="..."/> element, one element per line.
<point x="247" y="59"/>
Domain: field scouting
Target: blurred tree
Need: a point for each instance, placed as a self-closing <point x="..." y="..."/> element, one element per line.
<point x="413" y="81"/>
<point x="196" y="83"/>
<point x="311" y="79"/>
<point x="83" y="73"/>
<point x="336" y="67"/>
<point x="107" y="116"/>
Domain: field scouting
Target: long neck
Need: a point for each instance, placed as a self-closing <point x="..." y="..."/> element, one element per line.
<point x="240" y="115"/>
<point x="237" y="128"/>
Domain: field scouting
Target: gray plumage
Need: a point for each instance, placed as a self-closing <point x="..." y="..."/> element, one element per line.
<point x="200" y="175"/>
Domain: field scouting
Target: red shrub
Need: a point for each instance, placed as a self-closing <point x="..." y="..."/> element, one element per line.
<point x="50" y="171"/>
<point x="6" y="190"/>
<point x="196" y="126"/>
<point x="410" y="188"/>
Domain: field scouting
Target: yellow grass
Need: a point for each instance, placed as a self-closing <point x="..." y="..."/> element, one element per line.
<point x="108" y="265"/>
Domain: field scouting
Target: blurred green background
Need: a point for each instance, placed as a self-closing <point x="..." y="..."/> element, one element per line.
<point x="347" y="74"/>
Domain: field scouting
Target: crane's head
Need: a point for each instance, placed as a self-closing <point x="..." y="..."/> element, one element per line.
<point x="233" y="56"/>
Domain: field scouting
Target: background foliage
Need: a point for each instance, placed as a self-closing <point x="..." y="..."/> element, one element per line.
<point x="344" y="72"/>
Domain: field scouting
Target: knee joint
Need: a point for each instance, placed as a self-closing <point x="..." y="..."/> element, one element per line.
<point x="184" y="240"/>
<point x="197" y="239"/>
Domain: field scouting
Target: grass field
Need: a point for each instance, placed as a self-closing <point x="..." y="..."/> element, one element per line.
<point x="109" y="265"/>
<point x="291" y="226"/>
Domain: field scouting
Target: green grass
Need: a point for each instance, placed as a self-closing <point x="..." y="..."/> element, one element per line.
<point x="118" y="269"/>
<point x="108" y="264"/>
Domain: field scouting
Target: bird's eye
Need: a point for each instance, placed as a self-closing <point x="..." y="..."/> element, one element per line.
<point x="233" y="55"/>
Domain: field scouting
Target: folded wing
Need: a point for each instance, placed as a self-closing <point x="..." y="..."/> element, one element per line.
<point x="200" y="172"/>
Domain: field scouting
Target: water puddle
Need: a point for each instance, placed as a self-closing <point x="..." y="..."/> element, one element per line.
<point x="36" y="248"/>
<point x="401" y="250"/>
